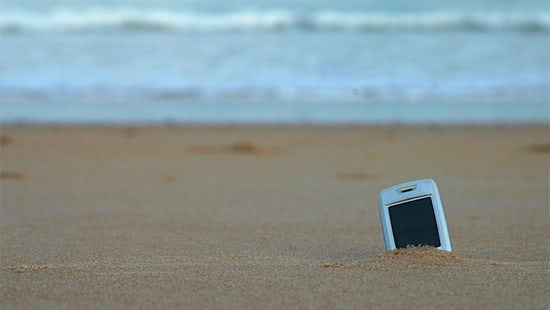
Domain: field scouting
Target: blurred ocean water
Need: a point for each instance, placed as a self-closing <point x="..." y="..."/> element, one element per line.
<point x="293" y="62"/>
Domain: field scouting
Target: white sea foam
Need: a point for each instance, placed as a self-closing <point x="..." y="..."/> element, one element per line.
<point x="64" y="20"/>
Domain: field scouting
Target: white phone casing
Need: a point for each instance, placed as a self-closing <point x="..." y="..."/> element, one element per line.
<point x="407" y="192"/>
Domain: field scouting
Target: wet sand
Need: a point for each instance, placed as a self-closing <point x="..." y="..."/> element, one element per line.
<point x="260" y="217"/>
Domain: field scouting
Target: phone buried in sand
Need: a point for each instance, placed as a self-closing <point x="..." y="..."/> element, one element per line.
<point x="412" y="214"/>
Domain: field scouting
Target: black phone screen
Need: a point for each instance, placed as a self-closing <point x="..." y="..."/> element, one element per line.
<point x="413" y="223"/>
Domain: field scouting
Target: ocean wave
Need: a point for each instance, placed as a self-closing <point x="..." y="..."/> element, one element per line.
<point x="275" y="94"/>
<point x="104" y="20"/>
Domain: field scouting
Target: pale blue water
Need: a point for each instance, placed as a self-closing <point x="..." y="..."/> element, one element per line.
<point x="293" y="62"/>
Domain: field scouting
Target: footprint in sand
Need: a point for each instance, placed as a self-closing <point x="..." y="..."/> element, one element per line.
<point x="243" y="148"/>
<point x="169" y="179"/>
<point x="14" y="175"/>
<point x="542" y="148"/>
<point x="5" y="140"/>
<point x="130" y="132"/>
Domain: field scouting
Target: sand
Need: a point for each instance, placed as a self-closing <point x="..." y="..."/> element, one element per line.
<point x="268" y="217"/>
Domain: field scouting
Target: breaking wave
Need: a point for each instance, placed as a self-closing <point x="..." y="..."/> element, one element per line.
<point x="100" y="20"/>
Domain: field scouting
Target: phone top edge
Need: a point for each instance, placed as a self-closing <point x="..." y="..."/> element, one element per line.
<point x="414" y="189"/>
<point x="410" y="183"/>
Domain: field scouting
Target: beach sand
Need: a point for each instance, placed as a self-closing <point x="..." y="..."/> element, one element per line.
<point x="268" y="217"/>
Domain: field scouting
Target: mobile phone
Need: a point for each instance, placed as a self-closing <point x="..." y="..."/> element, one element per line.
<point x="412" y="214"/>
